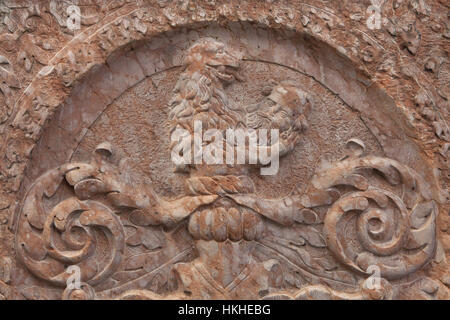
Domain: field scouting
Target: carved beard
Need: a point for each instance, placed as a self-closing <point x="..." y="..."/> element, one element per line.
<point x="281" y="121"/>
<point x="198" y="95"/>
<point x="262" y="119"/>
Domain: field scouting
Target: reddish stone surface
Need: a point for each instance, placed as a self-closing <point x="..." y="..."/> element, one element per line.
<point x="359" y="208"/>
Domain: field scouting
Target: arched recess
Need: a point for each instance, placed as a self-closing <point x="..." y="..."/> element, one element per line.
<point x="131" y="63"/>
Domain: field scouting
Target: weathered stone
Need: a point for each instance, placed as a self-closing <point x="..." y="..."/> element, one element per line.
<point x="358" y="199"/>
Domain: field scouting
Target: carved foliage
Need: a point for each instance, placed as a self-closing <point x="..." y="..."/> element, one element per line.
<point x="371" y="225"/>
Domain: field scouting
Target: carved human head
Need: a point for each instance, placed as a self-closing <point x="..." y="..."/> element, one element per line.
<point x="290" y="108"/>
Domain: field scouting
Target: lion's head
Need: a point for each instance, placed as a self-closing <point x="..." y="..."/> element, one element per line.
<point x="199" y="95"/>
<point x="213" y="59"/>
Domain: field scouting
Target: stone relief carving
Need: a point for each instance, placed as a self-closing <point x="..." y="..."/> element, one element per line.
<point x="222" y="237"/>
<point x="226" y="241"/>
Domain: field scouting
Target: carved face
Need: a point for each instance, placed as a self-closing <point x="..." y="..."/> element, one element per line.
<point x="285" y="109"/>
<point x="290" y="104"/>
<point x="213" y="55"/>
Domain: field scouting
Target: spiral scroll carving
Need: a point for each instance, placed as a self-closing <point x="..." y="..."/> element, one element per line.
<point x="86" y="234"/>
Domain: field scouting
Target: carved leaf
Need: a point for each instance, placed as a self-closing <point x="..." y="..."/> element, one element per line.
<point x="313" y="237"/>
<point x="149" y="261"/>
<point x="304" y="255"/>
<point x="146" y="237"/>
